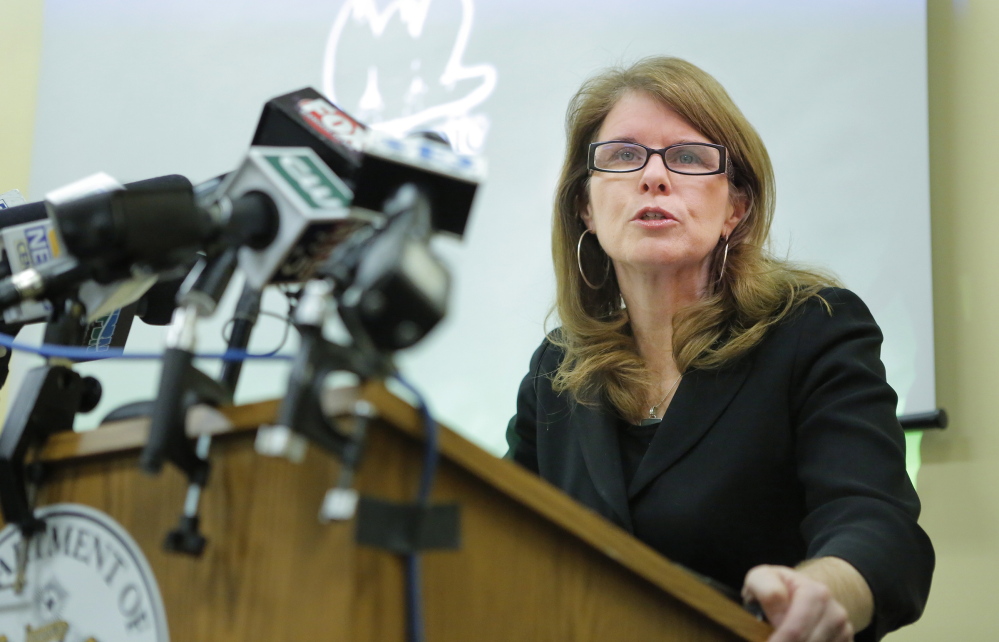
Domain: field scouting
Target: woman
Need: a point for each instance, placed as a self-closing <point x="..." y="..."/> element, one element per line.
<point x="728" y="409"/>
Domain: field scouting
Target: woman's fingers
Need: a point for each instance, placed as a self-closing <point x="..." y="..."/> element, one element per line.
<point x="765" y="586"/>
<point x="813" y="615"/>
<point x="800" y="608"/>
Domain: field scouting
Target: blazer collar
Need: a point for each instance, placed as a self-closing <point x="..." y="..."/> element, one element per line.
<point x="699" y="401"/>
<point x="596" y="427"/>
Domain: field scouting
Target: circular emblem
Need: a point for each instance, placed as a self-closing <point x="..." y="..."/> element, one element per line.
<point x="86" y="580"/>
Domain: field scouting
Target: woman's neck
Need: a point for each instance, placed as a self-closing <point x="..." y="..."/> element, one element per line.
<point x="653" y="298"/>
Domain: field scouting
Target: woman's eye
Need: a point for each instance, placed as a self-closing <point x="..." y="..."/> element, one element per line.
<point x="619" y="156"/>
<point x="692" y="158"/>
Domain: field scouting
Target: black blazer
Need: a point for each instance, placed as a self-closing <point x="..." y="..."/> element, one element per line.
<point x="791" y="453"/>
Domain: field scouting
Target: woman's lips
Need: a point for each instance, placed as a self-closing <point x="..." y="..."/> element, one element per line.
<point x="654" y="218"/>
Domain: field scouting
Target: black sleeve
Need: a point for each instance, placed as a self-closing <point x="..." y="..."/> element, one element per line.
<point x="850" y="448"/>
<point x="521" y="432"/>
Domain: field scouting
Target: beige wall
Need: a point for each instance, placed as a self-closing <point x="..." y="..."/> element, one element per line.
<point x="20" y="49"/>
<point x="20" y="52"/>
<point x="959" y="481"/>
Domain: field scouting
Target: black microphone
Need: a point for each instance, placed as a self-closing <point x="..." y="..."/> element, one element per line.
<point x="373" y="164"/>
<point x="118" y="236"/>
<point x="154" y="223"/>
<point x="391" y="290"/>
<point x="21" y="212"/>
<point x="28" y="237"/>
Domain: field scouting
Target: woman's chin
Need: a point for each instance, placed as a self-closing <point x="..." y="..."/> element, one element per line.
<point x="659" y="262"/>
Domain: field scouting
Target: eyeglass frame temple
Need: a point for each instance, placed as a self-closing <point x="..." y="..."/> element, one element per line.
<point x="591" y="155"/>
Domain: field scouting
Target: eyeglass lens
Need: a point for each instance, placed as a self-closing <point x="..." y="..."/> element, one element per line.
<point x="692" y="158"/>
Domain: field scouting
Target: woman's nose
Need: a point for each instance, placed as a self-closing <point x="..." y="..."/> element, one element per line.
<point x="655" y="176"/>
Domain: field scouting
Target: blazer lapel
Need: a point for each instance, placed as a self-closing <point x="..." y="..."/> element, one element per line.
<point x="700" y="400"/>
<point x="597" y="430"/>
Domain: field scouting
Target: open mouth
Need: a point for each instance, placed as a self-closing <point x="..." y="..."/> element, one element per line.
<point x="654" y="214"/>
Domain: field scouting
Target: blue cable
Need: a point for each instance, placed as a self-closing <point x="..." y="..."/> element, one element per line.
<point x="414" y="599"/>
<point x="414" y="596"/>
<point x="430" y="455"/>
<point x="86" y="354"/>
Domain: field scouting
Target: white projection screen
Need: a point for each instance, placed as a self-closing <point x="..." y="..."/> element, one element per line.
<point x="837" y="90"/>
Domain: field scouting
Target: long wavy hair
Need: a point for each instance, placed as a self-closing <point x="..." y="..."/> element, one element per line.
<point x="755" y="291"/>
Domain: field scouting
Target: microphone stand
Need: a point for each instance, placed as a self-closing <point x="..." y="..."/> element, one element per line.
<point x="250" y="221"/>
<point x="243" y="321"/>
<point x="382" y="307"/>
<point x="186" y="538"/>
<point x="301" y="410"/>
<point x="182" y="386"/>
<point x="47" y="403"/>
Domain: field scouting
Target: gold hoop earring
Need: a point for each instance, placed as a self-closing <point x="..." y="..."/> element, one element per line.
<point x="579" y="262"/>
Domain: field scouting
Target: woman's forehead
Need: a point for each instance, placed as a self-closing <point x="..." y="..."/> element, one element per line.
<point x="642" y="118"/>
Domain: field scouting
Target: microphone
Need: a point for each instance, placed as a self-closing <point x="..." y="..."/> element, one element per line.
<point x="27" y="247"/>
<point x="279" y="215"/>
<point x="312" y="206"/>
<point x="154" y="224"/>
<point x="27" y="239"/>
<point x="103" y="238"/>
<point x="14" y="210"/>
<point x="391" y="290"/>
<point x="374" y="164"/>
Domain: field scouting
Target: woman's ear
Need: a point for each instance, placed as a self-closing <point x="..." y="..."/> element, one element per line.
<point x="587" y="216"/>
<point x="740" y="205"/>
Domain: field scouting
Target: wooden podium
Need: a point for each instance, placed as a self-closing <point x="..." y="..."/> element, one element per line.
<point x="533" y="564"/>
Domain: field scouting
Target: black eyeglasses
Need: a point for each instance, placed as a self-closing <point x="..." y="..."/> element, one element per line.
<point x="618" y="156"/>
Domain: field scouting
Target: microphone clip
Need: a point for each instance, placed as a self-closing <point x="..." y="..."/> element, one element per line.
<point x="317" y="358"/>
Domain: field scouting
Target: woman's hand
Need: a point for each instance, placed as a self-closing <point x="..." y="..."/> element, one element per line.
<point x="823" y="600"/>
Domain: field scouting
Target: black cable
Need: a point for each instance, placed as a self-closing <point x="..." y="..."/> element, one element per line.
<point x="264" y="313"/>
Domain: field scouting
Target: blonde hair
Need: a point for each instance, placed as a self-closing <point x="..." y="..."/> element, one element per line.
<point x="755" y="291"/>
